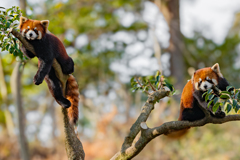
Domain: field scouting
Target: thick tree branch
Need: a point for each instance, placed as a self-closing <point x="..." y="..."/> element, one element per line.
<point x="130" y="149"/>
<point x="146" y="110"/>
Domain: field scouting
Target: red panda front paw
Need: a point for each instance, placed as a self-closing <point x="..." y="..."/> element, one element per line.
<point x="37" y="80"/>
<point x="220" y="114"/>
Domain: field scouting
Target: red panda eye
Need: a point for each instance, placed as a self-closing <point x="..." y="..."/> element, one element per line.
<point x="209" y="80"/>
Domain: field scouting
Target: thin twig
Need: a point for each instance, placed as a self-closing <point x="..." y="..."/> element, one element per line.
<point x="153" y="88"/>
<point x="160" y="82"/>
<point x="141" y="85"/>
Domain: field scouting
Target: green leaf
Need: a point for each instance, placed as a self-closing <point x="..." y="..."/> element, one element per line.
<point x="145" y="88"/>
<point x="132" y="79"/>
<point x="204" y="94"/>
<point x="225" y="96"/>
<point x="206" y="97"/>
<point x="209" y="103"/>
<point x="157" y="74"/>
<point x="237" y="108"/>
<point x="157" y="79"/>
<point x="8" y="24"/>
<point x="224" y="92"/>
<point x="215" y="106"/>
<point x="134" y="89"/>
<point x="7" y="47"/>
<point x="229" y="107"/>
<point x="169" y="85"/>
<point x="211" y="96"/>
<point x="215" y="100"/>
<point x="236" y="95"/>
<point x="209" y="91"/>
<point x="229" y="87"/>
<point x="234" y="103"/>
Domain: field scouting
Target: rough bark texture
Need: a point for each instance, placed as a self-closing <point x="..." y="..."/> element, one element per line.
<point x="73" y="145"/>
<point x="129" y="150"/>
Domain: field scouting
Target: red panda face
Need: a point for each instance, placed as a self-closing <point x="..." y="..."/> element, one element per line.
<point x="206" y="78"/>
<point x="33" y="29"/>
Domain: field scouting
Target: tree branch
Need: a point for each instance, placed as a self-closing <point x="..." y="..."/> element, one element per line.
<point x="130" y="149"/>
<point x="146" y="110"/>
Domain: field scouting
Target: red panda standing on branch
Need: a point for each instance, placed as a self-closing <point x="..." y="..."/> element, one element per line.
<point x="47" y="48"/>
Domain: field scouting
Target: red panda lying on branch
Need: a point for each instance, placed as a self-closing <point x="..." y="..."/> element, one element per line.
<point x="191" y="99"/>
<point x="202" y="80"/>
<point x="47" y="48"/>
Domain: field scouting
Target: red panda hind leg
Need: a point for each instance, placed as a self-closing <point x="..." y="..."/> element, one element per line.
<point x="55" y="88"/>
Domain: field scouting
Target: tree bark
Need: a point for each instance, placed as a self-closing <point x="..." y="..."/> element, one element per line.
<point x="134" y="144"/>
<point x="176" y="44"/>
<point x="170" y="10"/>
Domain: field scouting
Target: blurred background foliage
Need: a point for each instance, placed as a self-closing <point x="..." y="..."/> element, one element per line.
<point x="110" y="42"/>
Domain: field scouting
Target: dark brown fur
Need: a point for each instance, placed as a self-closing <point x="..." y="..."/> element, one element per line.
<point x="48" y="47"/>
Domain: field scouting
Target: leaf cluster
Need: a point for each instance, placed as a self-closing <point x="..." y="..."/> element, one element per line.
<point x="9" y="18"/>
<point x="229" y="99"/>
<point x="151" y="83"/>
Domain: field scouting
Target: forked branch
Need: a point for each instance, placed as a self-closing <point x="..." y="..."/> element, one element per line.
<point x="130" y="149"/>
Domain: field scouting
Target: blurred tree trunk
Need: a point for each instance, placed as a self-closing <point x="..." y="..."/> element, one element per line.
<point x="16" y="91"/>
<point x="3" y="89"/>
<point x="170" y="10"/>
<point x="23" y="5"/>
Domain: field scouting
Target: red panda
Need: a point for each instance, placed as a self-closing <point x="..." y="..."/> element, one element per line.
<point x="202" y="80"/>
<point x="48" y="47"/>
<point x="191" y="99"/>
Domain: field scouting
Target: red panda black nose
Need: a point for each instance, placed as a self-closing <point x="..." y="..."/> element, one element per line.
<point x="30" y="34"/>
<point x="205" y="86"/>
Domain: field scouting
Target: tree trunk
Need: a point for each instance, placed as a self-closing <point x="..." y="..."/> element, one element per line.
<point x="176" y="44"/>
<point x="73" y="145"/>
<point x="16" y="91"/>
<point x="170" y="10"/>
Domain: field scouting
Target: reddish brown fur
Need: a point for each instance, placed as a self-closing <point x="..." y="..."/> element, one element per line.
<point x="47" y="47"/>
<point x="72" y="94"/>
<point x="32" y="24"/>
<point x="187" y="94"/>
<point x="186" y="102"/>
<point x="203" y="73"/>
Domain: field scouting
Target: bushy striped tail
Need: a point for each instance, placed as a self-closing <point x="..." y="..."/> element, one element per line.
<point x="72" y="94"/>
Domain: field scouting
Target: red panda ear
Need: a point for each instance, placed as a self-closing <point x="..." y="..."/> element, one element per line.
<point x="216" y="69"/>
<point x="45" y="24"/>
<point x="22" y="20"/>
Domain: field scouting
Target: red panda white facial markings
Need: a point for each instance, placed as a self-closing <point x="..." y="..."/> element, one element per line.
<point x="206" y="78"/>
<point x="31" y="35"/>
<point x="39" y="35"/>
<point x="33" y="29"/>
<point x="23" y="32"/>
